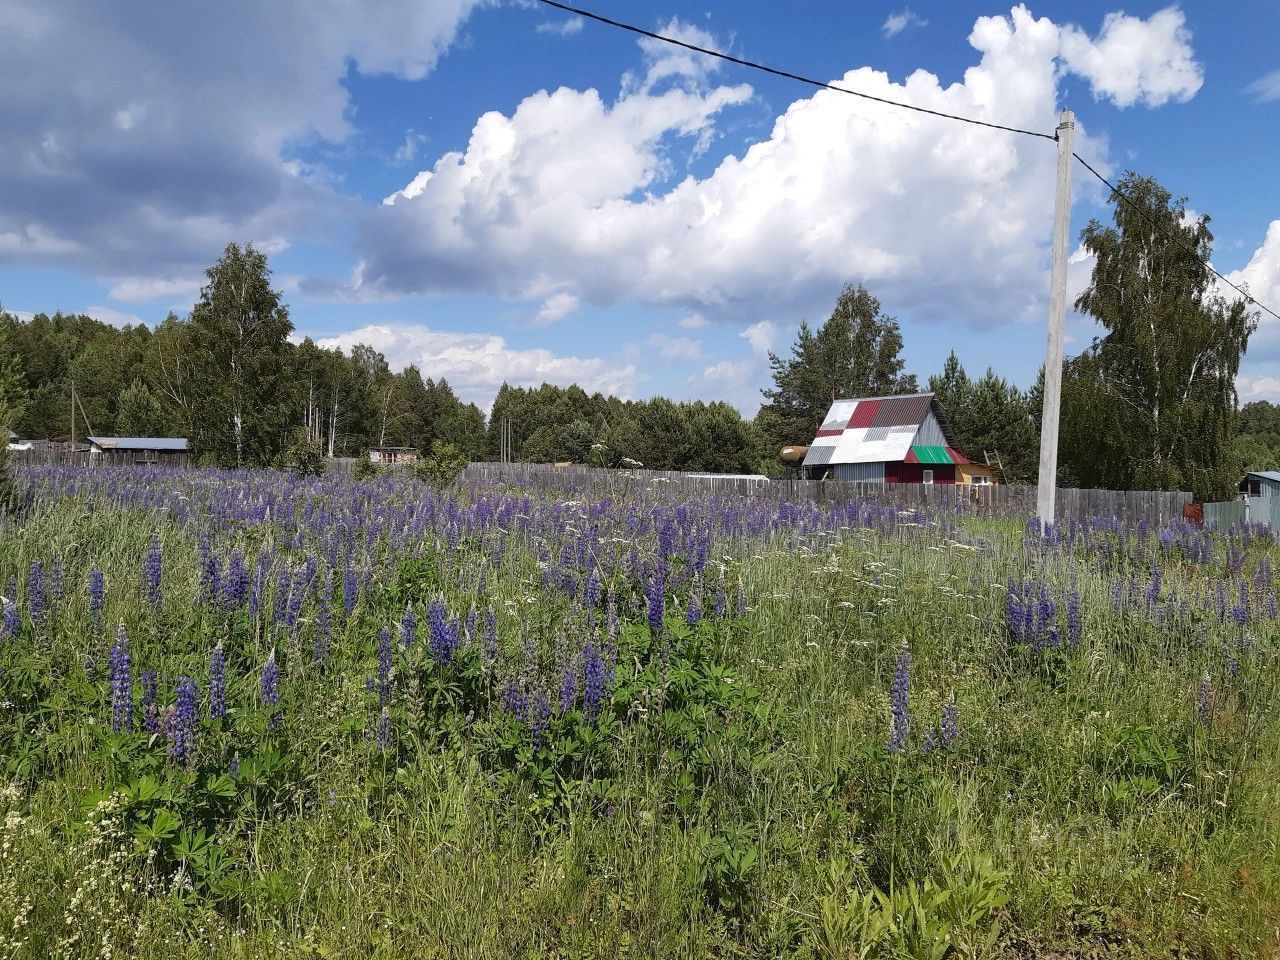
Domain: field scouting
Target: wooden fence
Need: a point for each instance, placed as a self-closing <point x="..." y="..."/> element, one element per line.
<point x="49" y="455"/>
<point x="1158" y="507"/>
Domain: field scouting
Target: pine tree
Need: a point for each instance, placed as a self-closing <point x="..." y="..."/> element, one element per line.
<point x="856" y="353"/>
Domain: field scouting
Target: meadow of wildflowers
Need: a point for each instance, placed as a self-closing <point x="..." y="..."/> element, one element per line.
<point x="247" y="714"/>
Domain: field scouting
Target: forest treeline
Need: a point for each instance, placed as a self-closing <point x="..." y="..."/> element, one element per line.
<point x="1149" y="404"/>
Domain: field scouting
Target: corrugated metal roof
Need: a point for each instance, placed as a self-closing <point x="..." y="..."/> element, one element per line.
<point x="1273" y="475"/>
<point x="819" y="456"/>
<point x="869" y="429"/>
<point x="929" y="455"/>
<point x="902" y="411"/>
<point x="140" y="443"/>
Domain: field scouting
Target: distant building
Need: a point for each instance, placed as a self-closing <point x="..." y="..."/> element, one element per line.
<point x="1261" y="483"/>
<point x="158" y="451"/>
<point x="900" y="439"/>
<point x="389" y="455"/>
<point x="16" y="444"/>
<point x="977" y="474"/>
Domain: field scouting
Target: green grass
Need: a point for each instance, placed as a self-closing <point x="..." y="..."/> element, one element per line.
<point x="751" y="810"/>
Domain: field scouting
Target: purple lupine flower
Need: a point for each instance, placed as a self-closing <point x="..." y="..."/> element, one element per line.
<point x="57" y="582"/>
<point x="950" y="722"/>
<point x="233" y="766"/>
<point x="442" y="635"/>
<point x="1153" y="590"/>
<point x="568" y="688"/>
<point x="1204" y="698"/>
<point x="36" y="595"/>
<point x="591" y="592"/>
<point x="901" y="722"/>
<point x="181" y="721"/>
<point x="153" y="573"/>
<point x="12" y="622"/>
<point x="217" y="683"/>
<point x="97" y="599"/>
<point x="408" y="627"/>
<point x="324" y="617"/>
<point x="383" y="734"/>
<point x="655" y="597"/>
<point x="121" y="684"/>
<point x="593" y="679"/>
<point x="150" y="701"/>
<point x="280" y="599"/>
<point x="270" y="685"/>
<point x="384" y="665"/>
<point x="694" y="612"/>
<point x="350" y="591"/>
<point x="235" y="586"/>
<point x="514" y="701"/>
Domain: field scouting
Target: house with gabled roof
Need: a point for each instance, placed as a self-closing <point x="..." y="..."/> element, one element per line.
<point x="898" y="439"/>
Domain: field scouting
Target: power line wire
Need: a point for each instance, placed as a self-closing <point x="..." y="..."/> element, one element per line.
<point x="787" y="74"/>
<point x="1176" y="234"/>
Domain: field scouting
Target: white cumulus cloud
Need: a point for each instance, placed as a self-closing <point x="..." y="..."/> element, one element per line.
<point x="476" y="364"/>
<point x="941" y="220"/>
<point x="1134" y="60"/>
<point x="555" y="308"/>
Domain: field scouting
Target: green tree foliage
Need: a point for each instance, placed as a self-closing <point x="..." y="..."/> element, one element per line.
<point x="990" y="416"/>
<point x="552" y="424"/>
<point x="855" y="353"/>
<point x="13" y="401"/>
<point x="238" y="332"/>
<point x="140" y="413"/>
<point x="1151" y="404"/>
<point x="442" y="467"/>
<point x="1257" y="439"/>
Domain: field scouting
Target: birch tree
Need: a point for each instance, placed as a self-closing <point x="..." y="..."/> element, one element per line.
<point x="1151" y="403"/>
<point x="238" y="332"/>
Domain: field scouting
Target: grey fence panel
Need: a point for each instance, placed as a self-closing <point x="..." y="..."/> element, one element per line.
<point x="1220" y="516"/>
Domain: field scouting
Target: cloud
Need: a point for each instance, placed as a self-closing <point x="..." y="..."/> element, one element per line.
<point x="117" y="318"/>
<point x="761" y="336"/>
<point x="897" y="22"/>
<point x="568" y="27"/>
<point x="1251" y="388"/>
<point x="694" y="321"/>
<point x="555" y="308"/>
<point x="476" y="364"/>
<point x="134" y="289"/>
<point x="1266" y="88"/>
<point x="1261" y="277"/>
<point x="666" y="61"/>
<point x="173" y="147"/>
<point x="1135" y="60"/>
<point x="568" y="193"/>
<point x="675" y="348"/>
<point x="407" y="152"/>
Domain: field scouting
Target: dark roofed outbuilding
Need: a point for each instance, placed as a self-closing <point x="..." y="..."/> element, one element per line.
<point x="169" y="451"/>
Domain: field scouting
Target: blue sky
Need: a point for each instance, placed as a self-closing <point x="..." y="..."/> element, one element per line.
<point x="498" y="191"/>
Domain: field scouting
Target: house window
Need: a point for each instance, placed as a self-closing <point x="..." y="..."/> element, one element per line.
<point x="982" y="481"/>
<point x="928" y="476"/>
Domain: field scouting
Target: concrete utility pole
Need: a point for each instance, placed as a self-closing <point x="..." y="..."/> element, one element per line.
<point x="1052" y="401"/>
